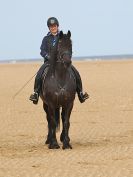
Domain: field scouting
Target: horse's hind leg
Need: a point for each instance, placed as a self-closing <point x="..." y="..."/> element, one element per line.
<point x="66" y="124"/>
<point x="57" y="118"/>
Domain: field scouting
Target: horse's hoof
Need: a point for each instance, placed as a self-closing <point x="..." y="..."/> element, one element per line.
<point x="67" y="146"/>
<point x="53" y="146"/>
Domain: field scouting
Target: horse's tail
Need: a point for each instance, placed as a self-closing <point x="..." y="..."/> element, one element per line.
<point x="57" y="119"/>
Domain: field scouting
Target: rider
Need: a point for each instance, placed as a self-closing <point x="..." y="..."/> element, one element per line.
<point x="49" y="41"/>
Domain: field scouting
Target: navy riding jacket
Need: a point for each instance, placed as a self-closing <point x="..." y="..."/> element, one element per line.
<point x="47" y="43"/>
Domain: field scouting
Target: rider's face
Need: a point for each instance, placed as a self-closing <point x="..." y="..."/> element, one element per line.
<point x="53" y="29"/>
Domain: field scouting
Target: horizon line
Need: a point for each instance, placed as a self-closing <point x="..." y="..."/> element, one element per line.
<point x="76" y="57"/>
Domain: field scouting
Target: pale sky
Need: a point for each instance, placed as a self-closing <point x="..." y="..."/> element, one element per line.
<point x="98" y="27"/>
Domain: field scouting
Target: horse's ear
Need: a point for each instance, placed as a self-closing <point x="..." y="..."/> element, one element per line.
<point x="60" y="34"/>
<point x="69" y="33"/>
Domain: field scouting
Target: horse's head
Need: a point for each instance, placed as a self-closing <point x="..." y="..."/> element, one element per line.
<point x="64" y="48"/>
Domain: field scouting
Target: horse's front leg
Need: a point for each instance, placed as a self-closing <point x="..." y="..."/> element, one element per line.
<point x="63" y="120"/>
<point x="53" y="144"/>
<point x="49" y="131"/>
<point x="45" y="107"/>
<point x="66" y="124"/>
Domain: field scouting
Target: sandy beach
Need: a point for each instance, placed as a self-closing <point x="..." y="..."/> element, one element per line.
<point x="101" y="130"/>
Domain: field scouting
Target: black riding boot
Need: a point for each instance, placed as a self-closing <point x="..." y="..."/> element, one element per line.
<point x="82" y="96"/>
<point x="37" y="87"/>
<point x="38" y="83"/>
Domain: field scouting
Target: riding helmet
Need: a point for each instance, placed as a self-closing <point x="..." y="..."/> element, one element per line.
<point x="52" y="21"/>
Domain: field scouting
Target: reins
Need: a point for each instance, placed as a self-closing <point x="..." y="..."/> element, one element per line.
<point x="23" y="87"/>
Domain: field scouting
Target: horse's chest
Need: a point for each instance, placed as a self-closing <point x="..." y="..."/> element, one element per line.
<point x="61" y="96"/>
<point x="58" y="92"/>
<point x="62" y="93"/>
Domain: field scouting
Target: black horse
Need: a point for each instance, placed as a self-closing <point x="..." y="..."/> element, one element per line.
<point x="58" y="91"/>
